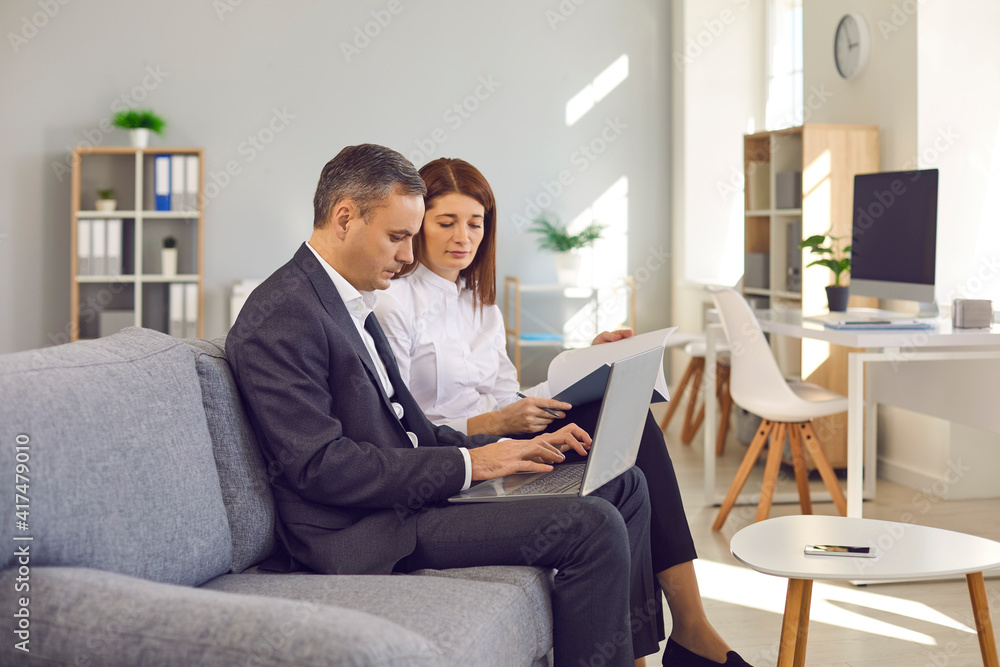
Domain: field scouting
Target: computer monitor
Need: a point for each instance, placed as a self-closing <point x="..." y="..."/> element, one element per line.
<point x="894" y="235"/>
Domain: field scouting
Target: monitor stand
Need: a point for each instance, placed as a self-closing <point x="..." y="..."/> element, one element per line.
<point x="927" y="310"/>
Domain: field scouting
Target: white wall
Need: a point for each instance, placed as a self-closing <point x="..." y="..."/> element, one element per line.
<point x="958" y="132"/>
<point x="223" y="73"/>
<point x="718" y="82"/>
<point x="885" y="94"/>
<point x="932" y="86"/>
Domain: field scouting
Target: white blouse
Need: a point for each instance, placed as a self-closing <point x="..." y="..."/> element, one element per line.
<point x="451" y="355"/>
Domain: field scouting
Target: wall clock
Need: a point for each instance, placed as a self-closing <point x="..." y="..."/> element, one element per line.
<point x="851" y="45"/>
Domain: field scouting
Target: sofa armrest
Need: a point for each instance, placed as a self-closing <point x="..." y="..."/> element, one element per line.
<point x="89" y="617"/>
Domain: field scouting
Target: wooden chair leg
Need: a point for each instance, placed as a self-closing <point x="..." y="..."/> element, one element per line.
<point x="691" y="423"/>
<point x="678" y="395"/>
<point x="743" y="473"/>
<point x="799" y="463"/>
<point x="795" y="624"/>
<point x="771" y="471"/>
<point x="981" y="612"/>
<point x="725" y="407"/>
<point x="825" y="470"/>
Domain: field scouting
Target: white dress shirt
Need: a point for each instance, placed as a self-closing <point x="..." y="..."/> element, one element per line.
<point x="360" y="305"/>
<point x="452" y="356"/>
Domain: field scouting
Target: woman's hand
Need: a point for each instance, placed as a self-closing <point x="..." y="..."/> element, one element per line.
<point x="612" y="336"/>
<point x="524" y="416"/>
<point x="528" y="415"/>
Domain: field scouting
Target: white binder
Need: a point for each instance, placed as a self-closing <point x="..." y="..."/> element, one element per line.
<point x="98" y="246"/>
<point x="190" y="310"/>
<point x="175" y="309"/>
<point x="177" y="183"/>
<point x="193" y="177"/>
<point x="114" y="252"/>
<point x="83" y="267"/>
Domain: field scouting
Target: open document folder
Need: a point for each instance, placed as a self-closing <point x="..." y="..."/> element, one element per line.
<point x="580" y="376"/>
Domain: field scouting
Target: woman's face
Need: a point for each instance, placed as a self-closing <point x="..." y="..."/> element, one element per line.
<point x="453" y="228"/>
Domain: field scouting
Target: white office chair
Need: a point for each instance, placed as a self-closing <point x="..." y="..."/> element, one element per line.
<point x="787" y="408"/>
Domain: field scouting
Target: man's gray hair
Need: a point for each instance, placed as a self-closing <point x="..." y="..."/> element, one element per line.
<point x="366" y="174"/>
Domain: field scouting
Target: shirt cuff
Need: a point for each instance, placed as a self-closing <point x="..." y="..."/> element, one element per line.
<point x="468" y="468"/>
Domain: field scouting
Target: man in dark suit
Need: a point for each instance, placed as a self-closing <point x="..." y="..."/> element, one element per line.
<point x="361" y="477"/>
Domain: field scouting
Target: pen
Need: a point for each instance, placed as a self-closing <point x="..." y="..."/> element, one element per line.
<point x="551" y="412"/>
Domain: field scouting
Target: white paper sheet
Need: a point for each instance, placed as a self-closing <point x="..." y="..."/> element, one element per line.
<point x="572" y="365"/>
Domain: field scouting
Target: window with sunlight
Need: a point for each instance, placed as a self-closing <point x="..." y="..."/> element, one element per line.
<point x="784" y="64"/>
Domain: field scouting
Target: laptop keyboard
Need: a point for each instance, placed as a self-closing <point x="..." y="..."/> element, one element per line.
<point x="563" y="478"/>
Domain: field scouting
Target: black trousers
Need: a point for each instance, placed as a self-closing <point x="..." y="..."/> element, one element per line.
<point x="605" y="600"/>
<point x="670" y="536"/>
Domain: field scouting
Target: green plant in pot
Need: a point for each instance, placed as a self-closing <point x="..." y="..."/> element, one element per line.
<point x="835" y="256"/>
<point x="554" y="236"/>
<point x="139" y="123"/>
<point x="105" y="199"/>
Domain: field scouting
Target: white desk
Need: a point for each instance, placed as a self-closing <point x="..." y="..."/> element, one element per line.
<point x="893" y="346"/>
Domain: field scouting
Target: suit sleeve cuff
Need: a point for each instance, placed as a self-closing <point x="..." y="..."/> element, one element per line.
<point x="468" y="467"/>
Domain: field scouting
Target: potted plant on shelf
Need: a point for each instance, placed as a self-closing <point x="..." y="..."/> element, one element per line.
<point x="106" y="199"/>
<point x="555" y="237"/>
<point x="836" y="257"/>
<point x="139" y="123"/>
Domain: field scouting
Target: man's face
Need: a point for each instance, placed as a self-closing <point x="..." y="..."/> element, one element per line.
<point x="375" y="250"/>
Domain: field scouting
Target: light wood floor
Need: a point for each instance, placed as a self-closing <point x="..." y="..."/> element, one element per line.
<point x="926" y="624"/>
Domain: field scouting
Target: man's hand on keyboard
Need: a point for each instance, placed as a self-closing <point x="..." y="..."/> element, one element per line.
<point x="509" y="456"/>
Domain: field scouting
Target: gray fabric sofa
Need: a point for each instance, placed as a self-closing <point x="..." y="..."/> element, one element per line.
<point x="144" y="507"/>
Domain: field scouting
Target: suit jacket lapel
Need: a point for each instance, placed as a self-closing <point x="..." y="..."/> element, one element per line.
<point x="334" y="305"/>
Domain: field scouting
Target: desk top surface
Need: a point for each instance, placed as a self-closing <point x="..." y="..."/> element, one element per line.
<point x="791" y="323"/>
<point x="903" y="551"/>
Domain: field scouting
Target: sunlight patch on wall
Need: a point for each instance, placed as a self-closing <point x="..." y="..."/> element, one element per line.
<point x="597" y="90"/>
<point x="603" y="264"/>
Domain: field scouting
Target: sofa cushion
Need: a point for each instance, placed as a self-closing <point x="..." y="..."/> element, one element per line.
<point x="535" y="584"/>
<point x="87" y="617"/>
<point x="245" y="489"/>
<point x="119" y="466"/>
<point x="470" y="622"/>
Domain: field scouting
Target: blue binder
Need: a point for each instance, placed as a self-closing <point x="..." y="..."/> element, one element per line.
<point x="161" y="182"/>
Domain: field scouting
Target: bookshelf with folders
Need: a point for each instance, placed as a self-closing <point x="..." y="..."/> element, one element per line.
<point x="799" y="181"/>
<point x="141" y="264"/>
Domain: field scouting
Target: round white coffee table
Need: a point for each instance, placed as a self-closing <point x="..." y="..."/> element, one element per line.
<point x="903" y="552"/>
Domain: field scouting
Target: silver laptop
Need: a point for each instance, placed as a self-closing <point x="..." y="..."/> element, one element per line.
<point x="613" y="450"/>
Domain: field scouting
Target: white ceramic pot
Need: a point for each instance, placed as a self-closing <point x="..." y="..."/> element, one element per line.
<point x="568" y="268"/>
<point x="168" y="261"/>
<point x="106" y="204"/>
<point x="139" y="137"/>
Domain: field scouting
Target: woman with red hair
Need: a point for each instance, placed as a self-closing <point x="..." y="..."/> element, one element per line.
<point x="446" y="330"/>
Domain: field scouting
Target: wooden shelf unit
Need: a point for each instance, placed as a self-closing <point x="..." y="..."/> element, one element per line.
<point x="827" y="156"/>
<point x="130" y="171"/>
<point x="513" y="290"/>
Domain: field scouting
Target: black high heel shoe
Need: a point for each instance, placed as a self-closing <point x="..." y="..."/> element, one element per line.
<point x="675" y="655"/>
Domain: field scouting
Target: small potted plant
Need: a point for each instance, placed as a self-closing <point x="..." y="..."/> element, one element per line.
<point x="555" y="237"/>
<point x="168" y="256"/>
<point x="139" y="123"/>
<point x="835" y="256"/>
<point x="106" y="199"/>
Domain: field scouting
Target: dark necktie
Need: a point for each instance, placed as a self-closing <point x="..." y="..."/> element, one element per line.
<point x="388" y="360"/>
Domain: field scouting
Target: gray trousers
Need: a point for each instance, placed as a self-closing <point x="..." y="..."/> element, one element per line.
<point x="606" y="598"/>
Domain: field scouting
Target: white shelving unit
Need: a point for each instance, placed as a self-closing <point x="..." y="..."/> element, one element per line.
<point x="141" y="287"/>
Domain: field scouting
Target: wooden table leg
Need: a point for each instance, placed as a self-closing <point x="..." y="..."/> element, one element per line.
<point x="795" y="624"/>
<point x="981" y="611"/>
